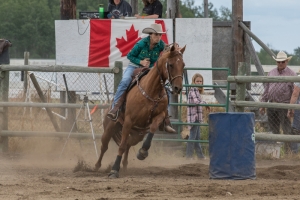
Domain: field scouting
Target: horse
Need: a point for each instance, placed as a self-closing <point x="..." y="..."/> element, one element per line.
<point x="145" y="109"/>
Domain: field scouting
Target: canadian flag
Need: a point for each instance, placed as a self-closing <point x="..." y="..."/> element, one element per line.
<point x="99" y="43"/>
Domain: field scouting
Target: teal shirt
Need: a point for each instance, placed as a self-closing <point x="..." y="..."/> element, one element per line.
<point x="141" y="50"/>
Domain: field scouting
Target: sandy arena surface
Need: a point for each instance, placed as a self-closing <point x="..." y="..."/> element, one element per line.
<point x="41" y="174"/>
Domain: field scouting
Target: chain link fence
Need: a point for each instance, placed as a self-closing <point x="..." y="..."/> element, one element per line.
<point x="97" y="87"/>
<point x="274" y="120"/>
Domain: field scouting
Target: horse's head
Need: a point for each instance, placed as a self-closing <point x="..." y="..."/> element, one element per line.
<point x="174" y="67"/>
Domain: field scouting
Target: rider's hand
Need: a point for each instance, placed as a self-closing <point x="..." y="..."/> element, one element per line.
<point x="145" y="62"/>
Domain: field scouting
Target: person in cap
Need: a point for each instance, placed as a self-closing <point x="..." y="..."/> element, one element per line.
<point x="279" y="93"/>
<point x="144" y="54"/>
<point x="118" y="9"/>
<point x="152" y="10"/>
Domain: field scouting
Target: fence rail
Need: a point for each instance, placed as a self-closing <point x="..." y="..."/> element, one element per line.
<point x="65" y="110"/>
<point x="60" y="68"/>
<point x="240" y="102"/>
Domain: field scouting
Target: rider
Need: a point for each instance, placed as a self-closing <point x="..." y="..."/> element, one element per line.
<point x="144" y="54"/>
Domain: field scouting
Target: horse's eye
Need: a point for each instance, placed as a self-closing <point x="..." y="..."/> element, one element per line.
<point x="170" y="65"/>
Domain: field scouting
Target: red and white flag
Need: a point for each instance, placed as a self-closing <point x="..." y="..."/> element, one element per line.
<point x="99" y="43"/>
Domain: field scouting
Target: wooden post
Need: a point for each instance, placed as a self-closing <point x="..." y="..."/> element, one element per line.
<point x="134" y="4"/>
<point x="24" y="74"/>
<point x="205" y="5"/>
<point x="172" y="9"/>
<point x="71" y="118"/>
<point x="173" y="12"/>
<point x="4" y="87"/>
<point x="67" y="9"/>
<point x="237" y="37"/>
<point x="41" y="95"/>
<point x="241" y="87"/>
<point x="63" y="112"/>
<point x="254" y="56"/>
<point x="118" y="76"/>
<point x="237" y="34"/>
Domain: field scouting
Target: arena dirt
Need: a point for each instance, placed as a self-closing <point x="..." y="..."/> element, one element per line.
<point x="41" y="174"/>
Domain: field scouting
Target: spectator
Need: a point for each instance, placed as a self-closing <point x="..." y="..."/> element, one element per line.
<point x="296" y="114"/>
<point x="194" y="115"/>
<point x="152" y="10"/>
<point x="118" y="9"/>
<point x="279" y="93"/>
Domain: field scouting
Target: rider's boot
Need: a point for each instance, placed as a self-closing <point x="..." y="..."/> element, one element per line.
<point x="114" y="112"/>
<point x="166" y="125"/>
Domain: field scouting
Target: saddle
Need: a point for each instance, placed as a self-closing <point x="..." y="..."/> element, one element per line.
<point x="138" y="73"/>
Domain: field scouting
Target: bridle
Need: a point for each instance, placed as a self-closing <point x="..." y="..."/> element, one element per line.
<point x="170" y="78"/>
<point x="168" y="70"/>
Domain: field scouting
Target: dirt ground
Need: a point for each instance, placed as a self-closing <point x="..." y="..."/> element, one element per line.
<point x="41" y="174"/>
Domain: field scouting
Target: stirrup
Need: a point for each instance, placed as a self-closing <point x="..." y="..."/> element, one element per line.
<point x="113" y="116"/>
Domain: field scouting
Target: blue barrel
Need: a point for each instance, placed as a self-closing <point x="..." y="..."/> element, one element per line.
<point x="231" y="146"/>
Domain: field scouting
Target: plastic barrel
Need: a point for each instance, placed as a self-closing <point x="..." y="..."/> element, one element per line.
<point x="232" y="146"/>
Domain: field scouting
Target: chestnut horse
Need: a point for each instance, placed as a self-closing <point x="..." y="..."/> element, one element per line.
<point x="146" y="105"/>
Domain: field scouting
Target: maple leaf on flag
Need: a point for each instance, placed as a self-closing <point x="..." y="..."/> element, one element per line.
<point x="125" y="46"/>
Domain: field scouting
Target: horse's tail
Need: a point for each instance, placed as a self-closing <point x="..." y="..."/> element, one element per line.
<point x="117" y="137"/>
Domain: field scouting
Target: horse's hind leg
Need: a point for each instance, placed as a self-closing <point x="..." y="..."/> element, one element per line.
<point x="104" y="146"/>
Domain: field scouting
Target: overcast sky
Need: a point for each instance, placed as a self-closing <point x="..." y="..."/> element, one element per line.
<point x="275" y="22"/>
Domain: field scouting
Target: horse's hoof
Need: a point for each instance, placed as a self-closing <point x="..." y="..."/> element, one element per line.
<point x="142" y="154"/>
<point x="113" y="174"/>
<point x="97" y="167"/>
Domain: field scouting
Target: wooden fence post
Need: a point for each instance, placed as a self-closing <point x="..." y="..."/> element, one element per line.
<point x="118" y="74"/>
<point x="4" y="86"/>
<point x="24" y="74"/>
<point x="241" y="87"/>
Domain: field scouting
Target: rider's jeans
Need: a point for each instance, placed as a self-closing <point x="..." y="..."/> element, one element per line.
<point x="126" y="79"/>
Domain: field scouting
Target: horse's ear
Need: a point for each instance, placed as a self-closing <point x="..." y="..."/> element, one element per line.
<point x="182" y="49"/>
<point x="173" y="48"/>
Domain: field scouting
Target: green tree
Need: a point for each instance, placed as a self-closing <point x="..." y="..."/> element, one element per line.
<point x="266" y="59"/>
<point x="30" y="27"/>
<point x="226" y="14"/>
<point x="189" y="10"/>
<point x="297" y="54"/>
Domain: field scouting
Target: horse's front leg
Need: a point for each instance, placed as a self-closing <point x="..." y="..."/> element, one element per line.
<point x="125" y="159"/>
<point x="143" y="152"/>
<point x="114" y="173"/>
